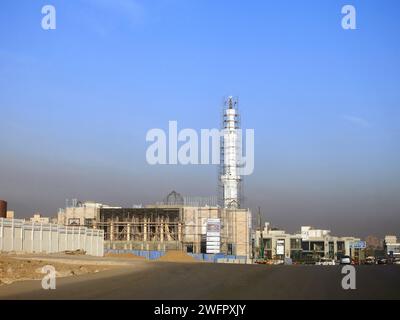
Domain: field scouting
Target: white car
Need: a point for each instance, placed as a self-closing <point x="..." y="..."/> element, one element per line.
<point x="325" y="262"/>
<point x="345" y="260"/>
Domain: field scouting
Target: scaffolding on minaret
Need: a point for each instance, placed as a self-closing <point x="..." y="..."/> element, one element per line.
<point x="230" y="180"/>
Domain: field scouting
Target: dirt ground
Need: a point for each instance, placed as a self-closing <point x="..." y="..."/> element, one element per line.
<point x="13" y="268"/>
<point x="124" y="255"/>
<point x="17" y="267"/>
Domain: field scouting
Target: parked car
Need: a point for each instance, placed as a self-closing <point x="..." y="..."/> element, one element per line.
<point x="396" y="261"/>
<point x="325" y="262"/>
<point x="260" y="261"/>
<point x="381" y="260"/>
<point x="370" y="260"/>
<point x="345" y="260"/>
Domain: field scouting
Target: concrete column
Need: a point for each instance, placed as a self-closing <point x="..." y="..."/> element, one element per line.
<point x="128" y="235"/>
<point x="22" y="236"/>
<point x="179" y="232"/>
<point x="84" y="239"/>
<point x="145" y="230"/>
<point x="66" y="239"/>
<point x="91" y="241"/>
<point x="32" y="235"/>
<point x="335" y="249"/>
<point x="112" y="231"/>
<point x="12" y="234"/>
<point x="162" y="232"/>
<point x="50" y="238"/>
<point x="326" y="248"/>
<point x="347" y="248"/>
<point x="273" y="247"/>
<point x="57" y="235"/>
<point x="97" y="245"/>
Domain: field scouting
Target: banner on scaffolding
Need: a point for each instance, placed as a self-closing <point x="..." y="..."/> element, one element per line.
<point x="213" y="244"/>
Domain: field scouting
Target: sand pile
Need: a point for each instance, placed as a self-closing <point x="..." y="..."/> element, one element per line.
<point x="177" y="256"/>
<point x="12" y="269"/>
<point x="124" y="255"/>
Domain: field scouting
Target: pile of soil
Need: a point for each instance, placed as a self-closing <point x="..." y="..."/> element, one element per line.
<point x="177" y="256"/>
<point x="13" y="269"/>
<point x="124" y="255"/>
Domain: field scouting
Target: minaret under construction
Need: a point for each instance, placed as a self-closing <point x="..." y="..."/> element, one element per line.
<point x="230" y="179"/>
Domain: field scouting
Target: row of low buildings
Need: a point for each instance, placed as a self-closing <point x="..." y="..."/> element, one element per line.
<point x="308" y="244"/>
<point x="392" y="246"/>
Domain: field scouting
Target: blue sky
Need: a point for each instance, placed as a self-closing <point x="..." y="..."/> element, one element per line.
<point x="76" y="103"/>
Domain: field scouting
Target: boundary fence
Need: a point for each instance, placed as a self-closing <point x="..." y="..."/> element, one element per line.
<point x="34" y="237"/>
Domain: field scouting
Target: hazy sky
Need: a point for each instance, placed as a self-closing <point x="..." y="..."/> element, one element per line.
<point x="76" y="104"/>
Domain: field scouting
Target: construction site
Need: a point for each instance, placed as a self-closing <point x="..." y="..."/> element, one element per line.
<point x="175" y="228"/>
<point x="191" y="225"/>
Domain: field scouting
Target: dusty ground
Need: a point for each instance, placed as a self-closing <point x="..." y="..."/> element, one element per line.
<point x="171" y="281"/>
<point x="15" y="267"/>
<point x="124" y="255"/>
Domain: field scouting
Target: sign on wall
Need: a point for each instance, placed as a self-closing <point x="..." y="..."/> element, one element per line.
<point x="213" y="243"/>
<point x="358" y="245"/>
<point x="280" y="247"/>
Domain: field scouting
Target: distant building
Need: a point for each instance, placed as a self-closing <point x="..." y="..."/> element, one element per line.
<point x="390" y="239"/>
<point x="392" y="246"/>
<point x="80" y="214"/>
<point x="310" y="244"/>
<point x="10" y="214"/>
<point x="373" y="242"/>
<point x="37" y="218"/>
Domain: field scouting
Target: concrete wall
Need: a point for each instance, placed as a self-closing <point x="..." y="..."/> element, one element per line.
<point x="19" y="235"/>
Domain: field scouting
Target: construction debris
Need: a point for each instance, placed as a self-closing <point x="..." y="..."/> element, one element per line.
<point x="75" y="252"/>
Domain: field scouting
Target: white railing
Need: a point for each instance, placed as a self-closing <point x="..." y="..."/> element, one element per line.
<point x="22" y="236"/>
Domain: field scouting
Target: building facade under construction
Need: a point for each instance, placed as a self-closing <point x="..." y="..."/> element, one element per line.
<point x="164" y="226"/>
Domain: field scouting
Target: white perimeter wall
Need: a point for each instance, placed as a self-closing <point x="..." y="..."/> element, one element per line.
<point x="30" y="237"/>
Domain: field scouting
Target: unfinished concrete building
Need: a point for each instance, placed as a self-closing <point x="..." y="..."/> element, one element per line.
<point x="179" y="227"/>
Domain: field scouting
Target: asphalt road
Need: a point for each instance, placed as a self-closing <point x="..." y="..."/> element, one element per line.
<point x="216" y="281"/>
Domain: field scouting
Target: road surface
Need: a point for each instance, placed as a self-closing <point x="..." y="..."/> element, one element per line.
<point x="157" y="280"/>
